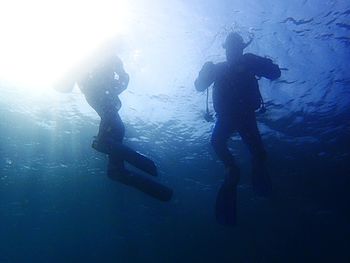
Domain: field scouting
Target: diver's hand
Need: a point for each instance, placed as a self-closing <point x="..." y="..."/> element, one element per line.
<point x="208" y="72"/>
<point x="122" y="82"/>
<point x="208" y="68"/>
<point x="206" y="76"/>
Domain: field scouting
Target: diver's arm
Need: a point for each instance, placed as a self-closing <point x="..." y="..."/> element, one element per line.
<point x="270" y="70"/>
<point x="75" y="74"/>
<point x="121" y="79"/>
<point x="264" y="67"/>
<point x="205" y="77"/>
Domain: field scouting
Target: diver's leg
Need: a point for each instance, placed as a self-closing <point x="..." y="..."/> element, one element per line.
<point x="222" y="132"/>
<point x="117" y="132"/>
<point x="224" y="127"/>
<point x="111" y="127"/>
<point x="111" y="130"/>
<point x="226" y="198"/>
<point x="117" y="129"/>
<point x="110" y="141"/>
<point x="250" y="134"/>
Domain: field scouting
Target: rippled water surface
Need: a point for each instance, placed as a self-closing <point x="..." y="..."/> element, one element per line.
<point x="57" y="205"/>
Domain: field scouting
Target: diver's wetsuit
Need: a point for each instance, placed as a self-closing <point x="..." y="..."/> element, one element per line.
<point x="236" y="96"/>
<point x="101" y="87"/>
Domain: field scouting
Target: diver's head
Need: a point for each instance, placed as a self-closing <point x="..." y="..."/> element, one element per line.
<point x="234" y="46"/>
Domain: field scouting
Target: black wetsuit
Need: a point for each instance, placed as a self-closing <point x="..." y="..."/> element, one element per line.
<point x="101" y="87"/>
<point x="236" y="96"/>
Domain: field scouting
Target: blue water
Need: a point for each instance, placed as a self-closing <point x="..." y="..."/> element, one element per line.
<point x="57" y="204"/>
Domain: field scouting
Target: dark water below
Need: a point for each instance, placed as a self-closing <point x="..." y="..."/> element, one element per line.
<point x="57" y="205"/>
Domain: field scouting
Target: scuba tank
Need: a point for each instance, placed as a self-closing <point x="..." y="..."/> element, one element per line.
<point x="210" y="118"/>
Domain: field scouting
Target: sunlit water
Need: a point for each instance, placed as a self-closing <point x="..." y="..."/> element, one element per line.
<point x="57" y="205"/>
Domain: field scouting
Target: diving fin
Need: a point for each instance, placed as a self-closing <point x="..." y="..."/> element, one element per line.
<point x="143" y="184"/>
<point x="127" y="154"/>
<point x="261" y="180"/>
<point x="226" y="203"/>
<point x="226" y="200"/>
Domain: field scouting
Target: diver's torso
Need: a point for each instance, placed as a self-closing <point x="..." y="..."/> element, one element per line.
<point x="100" y="91"/>
<point x="234" y="88"/>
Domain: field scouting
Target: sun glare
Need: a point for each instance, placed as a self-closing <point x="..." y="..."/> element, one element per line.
<point x="40" y="39"/>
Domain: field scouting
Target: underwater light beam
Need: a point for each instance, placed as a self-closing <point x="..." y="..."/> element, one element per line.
<point x="42" y="39"/>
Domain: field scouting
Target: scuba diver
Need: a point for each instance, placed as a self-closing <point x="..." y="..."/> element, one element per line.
<point x="102" y="78"/>
<point x="236" y="97"/>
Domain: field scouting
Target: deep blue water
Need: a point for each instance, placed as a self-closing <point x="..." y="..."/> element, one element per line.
<point x="57" y="204"/>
